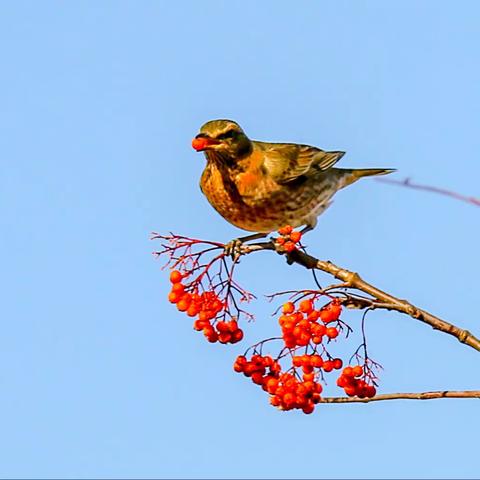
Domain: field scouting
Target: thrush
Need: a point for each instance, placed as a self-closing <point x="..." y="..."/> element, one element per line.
<point x="261" y="186"/>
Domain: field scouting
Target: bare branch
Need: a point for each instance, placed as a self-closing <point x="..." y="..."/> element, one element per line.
<point x="407" y="183"/>
<point x="382" y="299"/>
<point x="405" y="396"/>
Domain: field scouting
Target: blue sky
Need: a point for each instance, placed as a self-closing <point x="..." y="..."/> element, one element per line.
<point x="99" y="375"/>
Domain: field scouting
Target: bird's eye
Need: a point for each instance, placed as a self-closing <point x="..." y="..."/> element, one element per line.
<point x="227" y="134"/>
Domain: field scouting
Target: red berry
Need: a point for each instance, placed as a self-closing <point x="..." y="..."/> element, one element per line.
<point x="175" y="276"/>
<point x="224" y="337"/>
<point x="306" y="306"/>
<point x="327" y="366"/>
<point x="173" y="297"/>
<point x="257" y="378"/>
<point x="289" y="247"/>
<point x="317" y="361"/>
<point x="237" y="336"/>
<point x="178" y="288"/>
<point x="295" y="237"/>
<point x="183" y="305"/>
<point x="331" y="332"/>
<point x="308" y="408"/>
<point x="357" y="371"/>
<point x="337" y="363"/>
<point x="286" y="230"/>
<point x="288" y="307"/>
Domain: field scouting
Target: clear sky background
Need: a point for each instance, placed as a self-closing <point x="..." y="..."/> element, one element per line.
<point x="99" y="375"/>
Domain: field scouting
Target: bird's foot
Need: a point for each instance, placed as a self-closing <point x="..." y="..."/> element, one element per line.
<point x="233" y="248"/>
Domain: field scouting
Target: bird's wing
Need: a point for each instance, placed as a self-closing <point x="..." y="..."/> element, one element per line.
<point x="287" y="161"/>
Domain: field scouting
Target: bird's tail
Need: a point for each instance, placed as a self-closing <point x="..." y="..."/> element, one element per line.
<point x="352" y="175"/>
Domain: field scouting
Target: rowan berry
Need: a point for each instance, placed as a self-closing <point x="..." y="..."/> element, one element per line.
<point x="357" y="371"/>
<point x="173" y="297"/>
<point x="295" y="237"/>
<point x="286" y="230"/>
<point x="175" y="276"/>
<point x="331" y="332"/>
<point x="306" y="306"/>
<point x="288" y="307"/>
<point x="327" y="366"/>
<point x="337" y="363"/>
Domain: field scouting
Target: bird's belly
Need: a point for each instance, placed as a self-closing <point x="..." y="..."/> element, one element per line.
<point x="264" y="211"/>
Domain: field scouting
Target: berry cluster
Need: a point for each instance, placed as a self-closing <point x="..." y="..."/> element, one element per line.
<point x="286" y="391"/>
<point x="206" y="306"/>
<point x="289" y="239"/>
<point x="301" y="326"/>
<point x="353" y="385"/>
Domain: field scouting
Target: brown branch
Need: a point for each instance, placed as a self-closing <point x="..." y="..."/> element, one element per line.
<point x="405" y="396"/>
<point x="387" y="301"/>
<point x="442" y="191"/>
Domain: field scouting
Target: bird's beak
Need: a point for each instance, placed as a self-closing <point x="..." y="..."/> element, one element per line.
<point x="202" y="142"/>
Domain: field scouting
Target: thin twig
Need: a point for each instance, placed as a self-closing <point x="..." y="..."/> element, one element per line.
<point x="442" y="191"/>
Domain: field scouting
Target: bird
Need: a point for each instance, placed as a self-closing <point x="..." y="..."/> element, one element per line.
<point x="261" y="186"/>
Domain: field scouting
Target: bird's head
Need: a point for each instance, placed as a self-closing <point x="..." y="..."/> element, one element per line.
<point x="224" y="137"/>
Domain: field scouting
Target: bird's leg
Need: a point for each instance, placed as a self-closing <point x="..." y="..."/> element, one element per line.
<point x="234" y="247"/>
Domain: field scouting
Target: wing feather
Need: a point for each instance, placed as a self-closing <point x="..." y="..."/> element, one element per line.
<point x="287" y="161"/>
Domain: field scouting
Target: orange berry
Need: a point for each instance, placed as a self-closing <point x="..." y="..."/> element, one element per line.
<point x="337" y="363"/>
<point x="357" y="371"/>
<point x="348" y="371"/>
<point x="175" y="276"/>
<point x="341" y="381"/>
<point x="307" y="369"/>
<point x="178" y="288"/>
<point x="286" y="230"/>
<point x="238" y="367"/>
<point x="318" y="329"/>
<point x="350" y="391"/>
<point x="295" y="237"/>
<point x="289" y="247"/>
<point x="257" y="378"/>
<point x="306" y="306"/>
<point x="183" y="305"/>
<point x="193" y="309"/>
<point x="316" y="398"/>
<point x="173" y="297"/>
<point x="288" y="307"/>
<point x="308" y="408"/>
<point x="308" y="377"/>
<point x="303" y="339"/>
<point x="313" y="316"/>
<point x="224" y="337"/>
<point x="317" y="361"/>
<point x="297" y="361"/>
<point x="213" y="337"/>
<point x="370" y="391"/>
<point x="271" y="384"/>
<point x="200" y="324"/>
<point x="331" y="332"/>
<point x="280" y="240"/>
<point x="327" y="366"/>
<point x="222" y="327"/>
<point x="232" y="326"/>
<point x="237" y="336"/>
<point x="275" y="401"/>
